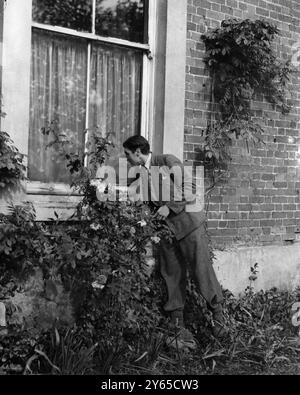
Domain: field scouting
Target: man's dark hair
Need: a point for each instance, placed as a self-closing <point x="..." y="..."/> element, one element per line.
<point x="135" y="142"/>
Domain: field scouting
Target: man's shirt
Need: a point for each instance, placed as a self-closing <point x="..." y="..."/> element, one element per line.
<point x="148" y="161"/>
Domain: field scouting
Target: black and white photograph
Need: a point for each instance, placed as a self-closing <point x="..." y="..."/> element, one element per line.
<point x="149" y="191"/>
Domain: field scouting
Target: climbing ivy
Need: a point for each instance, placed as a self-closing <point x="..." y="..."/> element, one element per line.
<point x="243" y="64"/>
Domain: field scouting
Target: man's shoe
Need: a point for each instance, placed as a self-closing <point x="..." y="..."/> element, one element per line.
<point x="182" y="338"/>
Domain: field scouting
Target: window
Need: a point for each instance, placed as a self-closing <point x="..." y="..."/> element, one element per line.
<point x="27" y="50"/>
<point x="88" y="65"/>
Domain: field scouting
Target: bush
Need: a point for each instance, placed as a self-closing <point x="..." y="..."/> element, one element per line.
<point x="12" y="170"/>
<point x="99" y="254"/>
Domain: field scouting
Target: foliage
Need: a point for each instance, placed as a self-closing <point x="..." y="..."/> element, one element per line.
<point x="100" y="255"/>
<point x="262" y="340"/>
<point x="15" y="350"/>
<point x="66" y="353"/>
<point x="74" y="14"/>
<point x="261" y="328"/>
<point x="12" y="169"/>
<point x="20" y="238"/>
<point x="114" y="236"/>
<point x="102" y="262"/>
<point x="243" y="64"/>
<point x="242" y="61"/>
<point x="124" y="19"/>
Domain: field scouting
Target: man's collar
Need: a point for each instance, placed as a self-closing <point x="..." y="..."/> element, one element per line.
<point x="148" y="161"/>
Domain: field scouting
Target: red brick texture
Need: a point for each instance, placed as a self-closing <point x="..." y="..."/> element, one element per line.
<point x="261" y="201"/>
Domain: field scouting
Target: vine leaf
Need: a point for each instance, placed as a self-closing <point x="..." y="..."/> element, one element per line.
<point x="242" y="65"/>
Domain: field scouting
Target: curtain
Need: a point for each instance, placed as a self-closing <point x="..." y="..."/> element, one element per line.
<point x="115" y="92"/>
<point x="57" y="94"/>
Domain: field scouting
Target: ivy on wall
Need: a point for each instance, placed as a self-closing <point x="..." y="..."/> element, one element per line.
<point x="243" y="66"/>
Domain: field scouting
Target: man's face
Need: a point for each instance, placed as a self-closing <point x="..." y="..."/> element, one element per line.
<point x="133" y="158"/>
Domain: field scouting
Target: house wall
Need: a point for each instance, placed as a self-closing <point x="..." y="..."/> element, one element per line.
<point x="261" y="201"/>
<point x="259" y="206"/>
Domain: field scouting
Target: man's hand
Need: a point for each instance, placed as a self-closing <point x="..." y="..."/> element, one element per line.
<point x="162" y="213"/>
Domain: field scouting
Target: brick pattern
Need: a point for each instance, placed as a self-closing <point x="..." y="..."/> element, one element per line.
<point x="261" y="201"/>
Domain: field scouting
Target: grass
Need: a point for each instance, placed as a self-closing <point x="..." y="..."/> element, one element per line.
<point x="225" y="358"/>
<point x="262" y="340"/>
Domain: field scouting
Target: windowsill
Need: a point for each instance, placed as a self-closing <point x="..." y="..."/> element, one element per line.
<point x="40" y="188"/>
<point x="59" y="189"/>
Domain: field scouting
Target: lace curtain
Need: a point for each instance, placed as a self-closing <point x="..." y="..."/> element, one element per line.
<point x="59" y="94"/>
<point x="115" y="92"/>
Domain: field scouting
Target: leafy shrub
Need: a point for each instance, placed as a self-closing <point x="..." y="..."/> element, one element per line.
<point x="12" y="169"/>
<point x="19" y="235"/>
<point x="100" y="255"/>
<point x="15" y="350"/>
<point x="243" y="63"/>
<point x="243" y="66"/>
<point x="68" y="352"/>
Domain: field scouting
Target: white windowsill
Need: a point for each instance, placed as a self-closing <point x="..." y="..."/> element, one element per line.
<point x="40" y="188"/>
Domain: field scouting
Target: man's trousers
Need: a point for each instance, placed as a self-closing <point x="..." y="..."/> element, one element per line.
<point x="174" y="257"/>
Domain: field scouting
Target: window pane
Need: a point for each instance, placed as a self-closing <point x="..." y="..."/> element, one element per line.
<point x="124" y="19"/>
<point x="73" y="14"/>
<point x="57" y="93"/>
<point x="115" y="92"/>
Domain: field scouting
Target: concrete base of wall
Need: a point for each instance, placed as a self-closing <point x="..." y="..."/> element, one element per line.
<point x="278" y="266"/>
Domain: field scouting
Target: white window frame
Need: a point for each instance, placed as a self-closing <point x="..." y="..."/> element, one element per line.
<point x="36" y="187"/>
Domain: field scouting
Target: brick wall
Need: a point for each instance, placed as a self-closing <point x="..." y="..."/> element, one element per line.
<point x="261" y="202"/>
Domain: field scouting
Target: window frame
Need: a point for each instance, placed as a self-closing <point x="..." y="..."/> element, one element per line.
<point x="61" y="189"/>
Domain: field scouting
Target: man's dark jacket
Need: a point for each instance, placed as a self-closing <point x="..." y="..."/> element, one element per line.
<point x="180" y="221"/>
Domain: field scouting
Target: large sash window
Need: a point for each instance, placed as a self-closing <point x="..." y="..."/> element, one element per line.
<point x="88" y="64"/>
